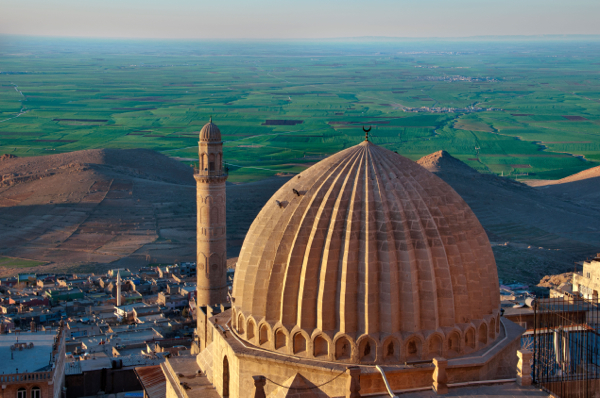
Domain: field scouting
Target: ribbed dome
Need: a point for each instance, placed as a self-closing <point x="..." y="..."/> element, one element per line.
<point x="210" y="132"/>
<point x="367" y="242"/>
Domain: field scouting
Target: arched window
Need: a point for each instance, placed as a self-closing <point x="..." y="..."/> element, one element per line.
<point x="390" y="350"/>
<point x="299" y="343"/>
<point x="470" y="339"/>
<point x="280" y="339"/>
<point x="36" y="392"/>
<point x="482" y="334"/>
<point x="435" y="346"/>
<point x="343" y="350"/>
<point x="366" y="350"/>
<point x="22" y="393"/>
<point x="453" y="344"/>
<point x="241" y="324"/>
<point x="492" y="329"/>
<point x="250" y="330"/>
<point x="211" y="162"/>
<point x="225" y="377"/>
<point x="263" y="335"/>
<point x="413" y="350"/>
<point x="321" y="347"/>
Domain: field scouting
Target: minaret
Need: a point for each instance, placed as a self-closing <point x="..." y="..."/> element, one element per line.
<point x="118" y="288"/>
<point x="211" y="237"/>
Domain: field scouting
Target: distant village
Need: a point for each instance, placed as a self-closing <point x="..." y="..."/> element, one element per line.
<point x="155" y="319"/>
<point x="444" y="109"/>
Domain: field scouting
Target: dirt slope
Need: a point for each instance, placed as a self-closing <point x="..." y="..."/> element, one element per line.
<point x="582" y="188"/>
<point x="91" y="210"/>
<point x="533" y="233"/>
<point x="95" y="209"/>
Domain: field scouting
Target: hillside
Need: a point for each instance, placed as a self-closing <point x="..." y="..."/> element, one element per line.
<point x="94" y="209"/>
<point x="582" y="188"/>
<point x="533" y="233"/>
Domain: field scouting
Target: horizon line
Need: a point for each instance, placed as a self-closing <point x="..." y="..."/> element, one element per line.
<point x="542" y="36"/>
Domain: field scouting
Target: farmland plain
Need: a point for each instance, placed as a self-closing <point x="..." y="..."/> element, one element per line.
<point x="523" y="109"/>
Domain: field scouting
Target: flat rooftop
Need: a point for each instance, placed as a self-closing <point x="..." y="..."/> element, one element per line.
<point x="27" y="359"/>
<point x="135" y="336"/>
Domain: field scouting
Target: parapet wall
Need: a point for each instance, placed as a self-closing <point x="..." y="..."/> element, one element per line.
<point x="244" y="361"/>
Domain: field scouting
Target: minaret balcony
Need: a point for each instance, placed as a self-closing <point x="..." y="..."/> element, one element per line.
<point x="210" y="175"/>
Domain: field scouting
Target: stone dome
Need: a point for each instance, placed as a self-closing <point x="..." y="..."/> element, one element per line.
<point x="210" y="132"/>
<point x="367" y="257"/>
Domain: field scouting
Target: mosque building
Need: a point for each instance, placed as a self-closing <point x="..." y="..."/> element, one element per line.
<point x="363" y="275"/>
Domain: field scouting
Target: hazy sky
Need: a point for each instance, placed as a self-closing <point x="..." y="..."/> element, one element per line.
<point x="297" y="18"/>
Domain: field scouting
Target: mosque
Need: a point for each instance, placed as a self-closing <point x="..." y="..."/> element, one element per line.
<point x="364" y="275"/>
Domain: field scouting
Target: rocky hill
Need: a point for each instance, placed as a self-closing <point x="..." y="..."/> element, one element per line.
<point x="91" y="210"/>
<point x="95" y="209"/>
<point x="582" y="188"/>
<point x="533" y="233"/>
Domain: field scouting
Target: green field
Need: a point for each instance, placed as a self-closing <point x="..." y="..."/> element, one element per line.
<point x="64" y="95"/>
<point x="10" y="262"/>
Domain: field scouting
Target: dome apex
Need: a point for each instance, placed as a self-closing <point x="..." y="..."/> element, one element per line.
<point x="210" y="132"/>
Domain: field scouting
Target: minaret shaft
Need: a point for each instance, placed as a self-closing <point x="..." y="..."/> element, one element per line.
<point x="211" y="237"/>
<point x="119" y="298"/>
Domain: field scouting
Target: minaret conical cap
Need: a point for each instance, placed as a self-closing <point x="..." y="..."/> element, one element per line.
<point x="210" y="132"/>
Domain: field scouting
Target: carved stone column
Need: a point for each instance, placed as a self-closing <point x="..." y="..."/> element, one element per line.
<point x="259" y="386"/>
<point x="440" y="379"/>
<point x="353" y="383"/>
<point x="524" y="367"/>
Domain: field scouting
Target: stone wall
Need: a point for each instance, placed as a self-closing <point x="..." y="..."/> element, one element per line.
<point x="498" y="362"/>
<point x="10" y="390"/>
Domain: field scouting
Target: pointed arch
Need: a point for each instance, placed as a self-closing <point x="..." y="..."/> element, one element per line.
<point x="263" y="334"/>
<point x="482" y="335"/>
<point x="391" y="350"/>
<point x="453" y="344"/>
<point x="250" y="330"/>
<point x="435" y="345"/>
<point x="280" y="339"/>
<point x="413" y="349"/>
<point x="367" y="349"/>
<point x="343" y="348"/>
<point x="492" y="329"/>
<point x="240" y="324"/>
<point x="320" y="347"/>
<point x="498" y="324"/>
<point x="225" y="377"/>
<point x="299" y="344"/>
<point x="470" y="339"/>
